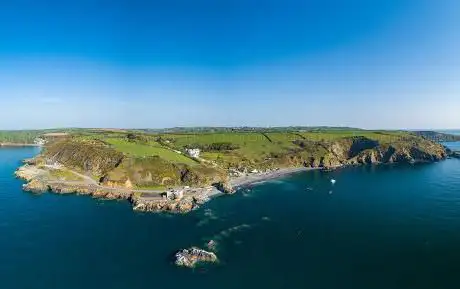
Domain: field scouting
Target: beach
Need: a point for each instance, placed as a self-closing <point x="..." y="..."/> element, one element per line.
<point x="246" y="180"/>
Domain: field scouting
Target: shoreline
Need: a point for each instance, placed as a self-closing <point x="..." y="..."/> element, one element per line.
<point x="247" y="180"/>
<point x="187" y="198"/>
<point x="155" y="201"/>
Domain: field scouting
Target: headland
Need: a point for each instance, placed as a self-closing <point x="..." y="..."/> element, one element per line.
<point x="179" y="171"/>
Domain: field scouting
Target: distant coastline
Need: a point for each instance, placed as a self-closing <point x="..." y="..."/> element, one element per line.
<point x="19" y="145"/>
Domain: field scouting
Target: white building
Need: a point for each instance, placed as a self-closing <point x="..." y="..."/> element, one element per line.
<point x="175" y="194"/>
<point x="40" y="141"/>
<point x="194" y="153"/>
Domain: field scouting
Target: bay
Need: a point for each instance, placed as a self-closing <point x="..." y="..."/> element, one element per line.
<point x="376" y="227"/>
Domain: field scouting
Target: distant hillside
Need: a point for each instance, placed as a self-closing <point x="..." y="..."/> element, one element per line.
<point x="29" y="136"/>
<point x="437" y="136"/>
<point x="246" y="129"/>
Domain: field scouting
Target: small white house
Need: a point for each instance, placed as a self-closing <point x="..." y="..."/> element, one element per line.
<point x="175" y="194"/>
<point x="194" y="153"/>
<point x="53" y="164"/>
<point x="40" y="141"/>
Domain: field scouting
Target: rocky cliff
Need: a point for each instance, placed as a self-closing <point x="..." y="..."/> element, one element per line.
<point x="437" y="136"/>
<point x="154" y="171"/>
<point x="87" y="156"/>
<point x="360" y="150"/>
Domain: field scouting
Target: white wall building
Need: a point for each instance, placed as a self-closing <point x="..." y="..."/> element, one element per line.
<point x="175" y="194"/>
<point x="40" y="141"/>
<point x="194" y="153"/>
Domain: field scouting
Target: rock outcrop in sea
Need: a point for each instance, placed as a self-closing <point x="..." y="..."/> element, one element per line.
<point x="191" y="257"/>
<point x="455" y="154"/>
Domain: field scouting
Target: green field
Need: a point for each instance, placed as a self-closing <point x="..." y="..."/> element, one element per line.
<point x="26" y="137"/>
<point x="63" y="174"/>
<point x="385" y="136"/>
<point x="149" y="149"/>
<point x="259" y="146"/>
<point x="250" y="145"/>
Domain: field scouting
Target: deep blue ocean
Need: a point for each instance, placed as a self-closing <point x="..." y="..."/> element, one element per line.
<point x="389" y="227"/>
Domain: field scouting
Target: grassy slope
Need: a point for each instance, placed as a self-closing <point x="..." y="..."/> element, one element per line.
<point x="150" y="149"/>
<point x="251" y="145"/>
<point x="25" y="137"/>
<point x="258" y="146"/>
<point x="382" y="136"/>
<point x="87" y="156"/>
<point x="28" y="136"/>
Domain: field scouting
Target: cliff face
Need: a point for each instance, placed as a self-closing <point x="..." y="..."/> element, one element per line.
<point x="94" y="157"/>
<point x="154" y="171"/>
<point x="361" y="150"/>
<point x="437" y="136"/>
<point x="402" y="153"/>
<point x="119" y="171"/>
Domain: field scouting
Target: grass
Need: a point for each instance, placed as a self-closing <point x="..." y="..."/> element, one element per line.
<point x="256" y="147"/>
<point x="88" y="156"/>
<point x="181" y="140"/>
<point x="64" y="175"/>
<point x="152" y="187"/>
<point x="150" y="149"/>
<point x="252" y="146"/>
<point x="382" y="136"/>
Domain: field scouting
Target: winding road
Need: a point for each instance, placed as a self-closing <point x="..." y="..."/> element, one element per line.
<point x="88" y="181"/>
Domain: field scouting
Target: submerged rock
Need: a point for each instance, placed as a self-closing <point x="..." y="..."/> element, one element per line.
<point x="455" y="154"/>
<point x="190" y="257"/>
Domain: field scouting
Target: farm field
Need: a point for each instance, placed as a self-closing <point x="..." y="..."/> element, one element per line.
<point x="253" y="146"/>
<point x="150" y="149"/>
<point x="384" y="136"/>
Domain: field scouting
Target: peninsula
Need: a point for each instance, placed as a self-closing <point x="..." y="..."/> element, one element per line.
<point x="177" y="170"/>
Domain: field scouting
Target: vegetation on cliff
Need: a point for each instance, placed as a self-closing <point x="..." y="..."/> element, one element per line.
<point x="93" y="157"/>
<point x="154" y="172"/>
<point x="20" y="137"/>
<point x="438" y="136"/>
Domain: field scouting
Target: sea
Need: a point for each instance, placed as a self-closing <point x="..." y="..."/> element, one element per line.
<point x="388" y="227"/>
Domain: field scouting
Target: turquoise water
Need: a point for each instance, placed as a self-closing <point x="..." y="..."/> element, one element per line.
<point x="451" y="131"/>
<point x="453" y="145"/>
<point x="377" y="227"/>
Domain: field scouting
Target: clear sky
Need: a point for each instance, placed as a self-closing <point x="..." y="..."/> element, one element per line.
<point x="120" y="63"/>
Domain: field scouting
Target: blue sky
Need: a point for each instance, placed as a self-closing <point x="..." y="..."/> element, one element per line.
<point x="361" y="63"/>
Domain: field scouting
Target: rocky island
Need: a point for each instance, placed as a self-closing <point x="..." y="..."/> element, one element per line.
<point x="191" y="257"/>
<point x="177" y="172"/>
